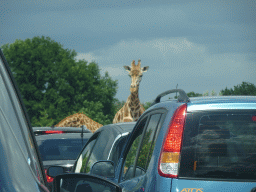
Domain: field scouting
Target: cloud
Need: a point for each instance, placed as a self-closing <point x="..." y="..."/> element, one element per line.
<point x="92" y="25"/>
<point x="115" y="72"/>
<point x="86" y="56"/>
<point x="172" y="61"/>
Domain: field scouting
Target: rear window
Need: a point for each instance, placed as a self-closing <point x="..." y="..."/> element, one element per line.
<point x="60" y="149"/>
<point x="219" y="144"/>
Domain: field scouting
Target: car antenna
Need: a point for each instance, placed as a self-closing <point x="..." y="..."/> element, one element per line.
<point x="82" y="135"/>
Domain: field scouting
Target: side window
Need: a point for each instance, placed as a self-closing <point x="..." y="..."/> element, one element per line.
<point x="117" y="149"/>
<point x="130" y="158"/>
<point x="142" y="148"/>
<point x="83" y="165"/>
<point x="99" y="150"/>
<point x="148" y="143"/>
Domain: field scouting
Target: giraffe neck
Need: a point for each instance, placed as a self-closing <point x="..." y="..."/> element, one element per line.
<point x="134" y="103"/>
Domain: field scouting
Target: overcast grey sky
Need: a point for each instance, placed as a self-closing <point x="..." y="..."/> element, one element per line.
<point x="199" y="45"/>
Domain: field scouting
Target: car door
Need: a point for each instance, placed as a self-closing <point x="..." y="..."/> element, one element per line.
<point x="138" y="152"/>
<point x="21" y="169"/>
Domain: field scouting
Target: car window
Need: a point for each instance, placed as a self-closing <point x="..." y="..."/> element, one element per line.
<point x="12" y="112"/>
<point x="148" y="143"/>
<point x="60" y="149"/>
<point x="118" y="146"/>
<point x="82" y="165"/>
<point x="131" y="155"/>
<point x="102" y="146"/>
<point x="220" y="145"/>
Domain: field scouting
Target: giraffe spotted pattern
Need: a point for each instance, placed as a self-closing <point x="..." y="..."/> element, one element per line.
<point x="132" y="109"/>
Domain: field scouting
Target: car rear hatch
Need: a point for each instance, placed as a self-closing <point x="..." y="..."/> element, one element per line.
<point x="218" y="149"/>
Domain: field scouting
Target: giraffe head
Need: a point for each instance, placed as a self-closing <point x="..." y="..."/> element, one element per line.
<point x="135" y="72"/>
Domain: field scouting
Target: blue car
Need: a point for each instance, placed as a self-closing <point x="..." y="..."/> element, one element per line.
<point x="202" y="144"/>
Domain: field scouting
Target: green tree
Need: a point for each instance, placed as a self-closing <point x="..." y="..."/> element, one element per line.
<point x="206" y="93"/>
<point x="146" y="105"/>
<point x="94" y="111"/>
<point x="118" y="105"/>
<point x="50" y="79"/>
<point x="193" y="94"/>
<point x="245" y="88"/>
<point x="44" y="120"/>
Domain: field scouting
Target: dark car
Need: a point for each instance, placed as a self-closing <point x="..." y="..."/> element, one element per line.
<point x="60" y="149"/>
<point x="190" y="144"/>
<point x="58" y="130"/>
<point x="105" y="144"/>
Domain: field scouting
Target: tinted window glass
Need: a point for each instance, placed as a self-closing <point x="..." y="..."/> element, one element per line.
<point x="220" y="145"/>
<point x="117" y="149"/>
<point x="82" y="165"/>
<point x="148" y="142"/>
<point x="130" y="158"/>
<point x="60" y="149"/>
<point x="99" y="150"/>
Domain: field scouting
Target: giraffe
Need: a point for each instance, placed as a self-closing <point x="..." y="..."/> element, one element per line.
<point x="77" y="120"/>
<point x="132" y="109"/>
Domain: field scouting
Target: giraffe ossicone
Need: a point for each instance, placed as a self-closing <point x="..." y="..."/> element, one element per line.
<point x="132" y="109"/>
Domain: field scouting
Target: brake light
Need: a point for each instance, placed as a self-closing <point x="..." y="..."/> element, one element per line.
<point x="48" y="178"/>
<point x="169" y="158"/>
<point x="52" y="132"/>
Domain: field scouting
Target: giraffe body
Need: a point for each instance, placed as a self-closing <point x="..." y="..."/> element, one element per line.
<point x="132" y="109"/>
<point x="77" y="120"/>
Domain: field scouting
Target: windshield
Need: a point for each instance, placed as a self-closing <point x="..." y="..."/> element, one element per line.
<point x="220" y="145"/>
<point x="60" y="149"/>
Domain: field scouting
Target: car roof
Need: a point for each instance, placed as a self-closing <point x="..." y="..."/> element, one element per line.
<point x="223" y="99"/>
<point x="118" y="127"/>
<point x="63" y="136"/>
<point x="216" y="102"/>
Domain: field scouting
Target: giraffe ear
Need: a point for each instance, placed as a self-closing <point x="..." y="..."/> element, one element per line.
<point x="127" y="68"/>
<point x="145" y="69"/>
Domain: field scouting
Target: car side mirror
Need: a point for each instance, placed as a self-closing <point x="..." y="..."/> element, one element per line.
<point x="130" y="171"/>
<point x="103" y="168"/>
<point x="78" y="182"/>
<point x="53" y="171"/>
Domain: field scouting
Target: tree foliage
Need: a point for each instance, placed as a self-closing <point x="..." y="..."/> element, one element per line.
<point x="146" y="105"/>
<point x="118" y="105"/>
<point x="193" y="94"/>
<point x="245" y="88"/>
<point x="53" y="82"/>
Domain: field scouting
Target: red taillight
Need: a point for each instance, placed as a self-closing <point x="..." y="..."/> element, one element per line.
<point x="52" y="132"/>
<point x="253" y="118"/>
<point x="48" y="178"/>
<point x="170" y="154"/>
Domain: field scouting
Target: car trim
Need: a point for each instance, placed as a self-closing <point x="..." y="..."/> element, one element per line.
<point x="118" y="137"/>
<point x="202" y="107"/>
